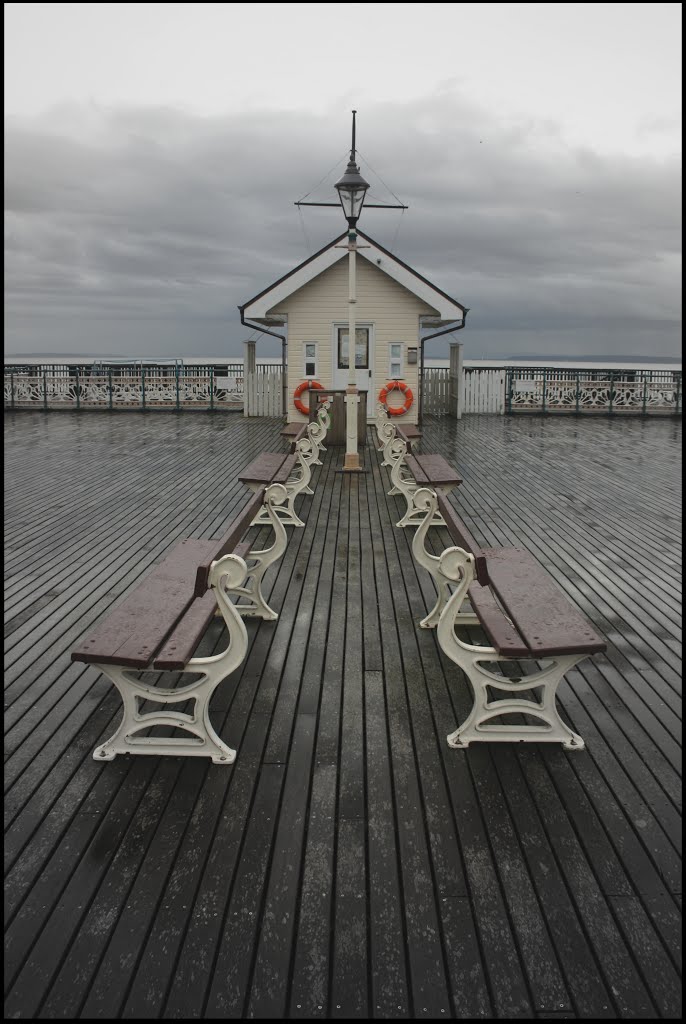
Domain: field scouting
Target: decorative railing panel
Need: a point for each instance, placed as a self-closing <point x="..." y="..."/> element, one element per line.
<point x="550" y="389"/>
<point x="60" y="386"/>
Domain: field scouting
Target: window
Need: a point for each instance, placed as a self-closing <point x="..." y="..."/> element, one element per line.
<point x="310" y="359"/>
<point x="361" y="348"/>
<point x="395" y="360"/>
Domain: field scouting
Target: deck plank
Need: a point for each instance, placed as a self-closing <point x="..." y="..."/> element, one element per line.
<point x="349" y="863"/>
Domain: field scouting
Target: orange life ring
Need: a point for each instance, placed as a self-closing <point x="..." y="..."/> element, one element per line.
<point x="307" y="385"/>
<point x="397" y="385"/>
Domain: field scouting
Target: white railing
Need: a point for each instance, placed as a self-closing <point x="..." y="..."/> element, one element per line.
<point x="510" y="389"/>
<point x="263" y="392"/>
<point x="188" y="388"/>
<point x="436" y="392"/>
<point x="483" y="391"/>
<point x="495" y="390"/>
<point x="479" y="391"/>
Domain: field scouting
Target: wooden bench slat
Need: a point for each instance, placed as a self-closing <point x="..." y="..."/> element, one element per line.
<point x="226" y="545"/>
<point x="242" y="550"/>
<point x="133" y="632"/>
<point x="460" y="534"/>
<point x="295" y="431"/>
<point x="407" y="433"/>
<point x="263" y="469"/>
<point x="432" y="470"/>
<point x="416" y="470"/>
<point x="543" y="615"/>
<point x="284" y="471"/>
<point x="179" y="646"/>
<point x="499" y="630"/>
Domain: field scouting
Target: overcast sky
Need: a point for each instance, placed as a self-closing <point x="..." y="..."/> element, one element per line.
<point x="154" y="153"/>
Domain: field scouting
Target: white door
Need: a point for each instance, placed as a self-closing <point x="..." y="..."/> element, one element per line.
<point x="364" y="360"/>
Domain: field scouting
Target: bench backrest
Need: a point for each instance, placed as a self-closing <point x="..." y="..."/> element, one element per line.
<point x="226" y="544"/>
<point x="463" y="538"/>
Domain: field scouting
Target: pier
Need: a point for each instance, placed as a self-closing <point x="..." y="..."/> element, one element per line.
<point x="349" y="864"/>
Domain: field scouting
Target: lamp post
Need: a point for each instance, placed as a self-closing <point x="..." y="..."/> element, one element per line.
<point x="351" y="190"/>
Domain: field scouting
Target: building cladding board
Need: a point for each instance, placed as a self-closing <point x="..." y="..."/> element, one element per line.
<point x="313" y="309"/>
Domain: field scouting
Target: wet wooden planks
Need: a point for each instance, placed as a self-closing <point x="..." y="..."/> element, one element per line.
<point x="350" y="863"/>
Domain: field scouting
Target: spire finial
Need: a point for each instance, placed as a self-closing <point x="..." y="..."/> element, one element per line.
<point x="352" y="148"/>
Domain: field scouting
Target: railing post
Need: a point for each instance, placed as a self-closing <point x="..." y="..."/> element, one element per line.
<point x="12" y="390"/>
<point x="109" y="384"/>
<point x="544" y="383"/>
<point x="508" y="390"/>
<point x="78" y="391"/>
<point x="677" y="400"/>
<point x="143" y="386"/>
<point x="612" y="381"/>
<point x="645" y="392"/>
<point x="45" y="390"/>
<point x="211" y="388"/>
<point x="578" y="391"/>
<point x="177" y="387"/>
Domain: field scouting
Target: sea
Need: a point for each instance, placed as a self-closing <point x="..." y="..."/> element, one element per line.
<point x="628" y="363"/>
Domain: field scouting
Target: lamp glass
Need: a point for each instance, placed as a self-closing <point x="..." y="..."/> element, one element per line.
<point x="352" y="189"/>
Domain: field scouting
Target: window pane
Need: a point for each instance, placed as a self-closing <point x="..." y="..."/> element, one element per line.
<point x="395" y="370"/>
<point x="395" y="351"/>
<point x="309" y="369"/>
<point x="309" y="351"/>
<point x="361" y="348"/>
<point x="342" y="349"/>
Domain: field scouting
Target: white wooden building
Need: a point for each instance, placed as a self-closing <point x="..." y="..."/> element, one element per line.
<point x="309" y="305"/>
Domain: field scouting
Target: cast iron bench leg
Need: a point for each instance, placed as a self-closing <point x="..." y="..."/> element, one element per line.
<point x="479" y="724"/>
<point x="385" y="430"/>
<point x="405" y="484"/>
<point x="317" y="430"/>
<point x="296" y="484"/>
<point x="425" y="502"/>
<point x="259" y="561"/>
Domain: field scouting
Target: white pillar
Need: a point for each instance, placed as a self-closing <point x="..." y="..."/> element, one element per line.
<point x="456" y="384"/>
<point x="249" y="361"/>
<point x="249" y="381"/>
<point x="352" y="399"/>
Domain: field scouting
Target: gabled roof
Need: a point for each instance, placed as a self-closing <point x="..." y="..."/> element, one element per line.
<point x="449" y="309"/>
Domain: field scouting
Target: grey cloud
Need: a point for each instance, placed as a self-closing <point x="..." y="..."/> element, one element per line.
<point x="146" y="228"/>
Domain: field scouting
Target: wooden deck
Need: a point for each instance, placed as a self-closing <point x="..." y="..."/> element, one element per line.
<point x="349" y="863"/>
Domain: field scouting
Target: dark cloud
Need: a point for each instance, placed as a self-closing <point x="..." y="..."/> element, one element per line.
<point x="140" y="231"/>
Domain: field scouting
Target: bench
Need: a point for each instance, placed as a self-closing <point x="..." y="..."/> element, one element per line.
<point x="409" y="472"/>
<point x="293" y="471"/>
<point x="525" y="618"/>
<point x="316" y="430"/>
<point x="160" y="623"/>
